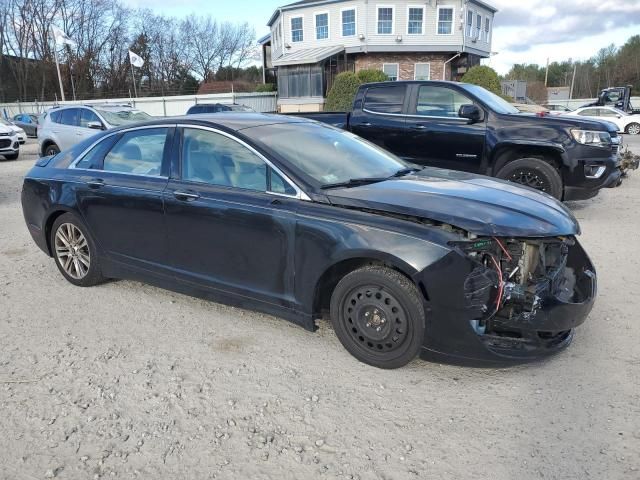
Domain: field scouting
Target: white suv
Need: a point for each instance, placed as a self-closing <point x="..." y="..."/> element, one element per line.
<point x="63" y="127"/>
<point x="9" y="143"/>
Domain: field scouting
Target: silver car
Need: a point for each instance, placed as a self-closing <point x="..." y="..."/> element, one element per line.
<point x="63" y="127"/>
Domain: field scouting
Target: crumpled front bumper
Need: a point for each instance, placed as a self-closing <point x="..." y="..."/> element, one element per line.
<point x="452" y="336"/>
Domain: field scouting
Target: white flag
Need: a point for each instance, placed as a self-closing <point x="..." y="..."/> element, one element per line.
<point x="62" y="38"/>
<point x="135" y="60"/>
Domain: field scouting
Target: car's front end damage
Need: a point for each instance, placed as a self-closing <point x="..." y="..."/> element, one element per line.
<point x="515" y="298"/>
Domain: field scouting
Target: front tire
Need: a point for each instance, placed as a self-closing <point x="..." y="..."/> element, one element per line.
<point x="378" y="316"/>
<point x="75" y="252"/>
<point x="534" y="173"/>
<point x="633" y="129"/>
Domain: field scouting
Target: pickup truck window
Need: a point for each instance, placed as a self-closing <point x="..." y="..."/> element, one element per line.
<point x="385" y="99"/>
<point x="440" y="102"/>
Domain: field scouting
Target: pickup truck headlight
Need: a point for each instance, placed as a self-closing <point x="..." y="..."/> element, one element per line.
<point x="591" y="137"/>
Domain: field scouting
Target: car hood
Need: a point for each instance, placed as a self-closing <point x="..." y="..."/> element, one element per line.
<point x="477" y="204"/>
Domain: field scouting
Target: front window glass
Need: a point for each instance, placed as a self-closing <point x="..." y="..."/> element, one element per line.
<point x="348" y="23"/>
<point x="123" y="117"/>
<point x="209" y="157"/>
<point x="329" y="155"/>
<point x="139" y="153"/>
<point x="440" y="102"/>
<point x="492" y="100"/>
<point x="385" y="21"/>
<point x="445" y="21"/>
<point x="589" y="112"/>
<point x="322" y="26"/>
<point x="86" y="117"/>
<point x="297" y="32"/>
<point x="416" y="16"/>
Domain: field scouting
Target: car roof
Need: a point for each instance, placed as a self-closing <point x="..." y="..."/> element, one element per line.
<point x="237" y="121"/>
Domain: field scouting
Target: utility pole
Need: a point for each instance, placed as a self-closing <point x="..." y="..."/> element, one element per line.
<point x="573" y="80"/>
<point x="55" y="54"/>
<point x="546" y="75"/>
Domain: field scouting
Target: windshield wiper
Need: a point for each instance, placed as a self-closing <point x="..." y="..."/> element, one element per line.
<point x="353" y="182"/>
<point x="406" y="171"/>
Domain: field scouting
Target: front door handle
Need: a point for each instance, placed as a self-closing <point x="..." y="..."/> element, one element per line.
<point x="366" y="124"/>
<point x="96" y="183"/>
<point x="186" y="196"/>
<point x="420" y="126"/>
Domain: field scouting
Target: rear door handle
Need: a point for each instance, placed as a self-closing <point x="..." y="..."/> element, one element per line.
<point x="96" y="183"/>
<point x="366" y="124"/>
<point x="186" y="196"/>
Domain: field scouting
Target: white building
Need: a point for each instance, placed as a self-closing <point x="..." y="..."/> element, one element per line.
<point x="313" y="40"/>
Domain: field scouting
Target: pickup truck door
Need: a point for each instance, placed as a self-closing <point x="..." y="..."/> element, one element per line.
<point x="437" y="136"/>
<point x="381" y="118"/>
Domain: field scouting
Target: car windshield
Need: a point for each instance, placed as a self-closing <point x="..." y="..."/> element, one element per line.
<point x="118" y="118"/>
<point x="492" y="100"/>
<point x="328" y="155"/>
<point x="240" y="108"/>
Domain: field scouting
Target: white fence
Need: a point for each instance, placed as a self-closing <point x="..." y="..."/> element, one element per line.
<point x="156" y="106"/>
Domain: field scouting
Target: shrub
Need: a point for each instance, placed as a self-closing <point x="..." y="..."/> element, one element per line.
<point x="370" y="76"/>
<point x="345" y="87"/>
<point x="342" y="93"/>
<point x="266" y="87"/>
<point x="485" y="77"/>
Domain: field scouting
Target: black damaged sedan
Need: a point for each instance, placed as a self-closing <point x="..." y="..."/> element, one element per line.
<point x="298" y="219"/>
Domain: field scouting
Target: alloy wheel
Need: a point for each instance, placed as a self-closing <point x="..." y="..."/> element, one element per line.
<point x="72" y="251"/>
<point x="634" y="129"/>
<point x="374" y="319"/>
<point x="530" y="178"/>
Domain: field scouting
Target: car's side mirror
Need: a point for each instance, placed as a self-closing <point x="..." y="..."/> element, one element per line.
<point x="95" y="125"/>
<point x="470" y="112"/>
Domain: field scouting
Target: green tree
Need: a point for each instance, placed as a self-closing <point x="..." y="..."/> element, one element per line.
<point x="485" y="77"/>
<point x="370" y="76"/>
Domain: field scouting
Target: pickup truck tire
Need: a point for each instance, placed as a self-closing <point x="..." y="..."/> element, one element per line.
<point x="633" y="128"/>
<point x="534" y="173"/>
<point x="378" y="316"/>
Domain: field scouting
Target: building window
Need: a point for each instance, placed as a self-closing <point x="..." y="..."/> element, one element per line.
<point x="469" y="23"/>
<point x="348" y="23"/>
<point x="416" y="20"/>
<point x="487" y="28"/>
<point x="478" y="26"/>
<point x="391" y="70"/>
<point x="422" y="71"/>
<point x="297" y="31"/>
<point x="385" y="20"/>
<point x="445" y="21"/>
<point x="322" y="26"/>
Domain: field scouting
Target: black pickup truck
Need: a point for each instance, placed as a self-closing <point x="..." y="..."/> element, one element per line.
<point x="465" y="127"/>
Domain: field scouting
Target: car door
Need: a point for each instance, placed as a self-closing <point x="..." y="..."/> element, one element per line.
<point x="437" y="136"/>
<point x="381" y="119"/>
<point x="66" y="128"/>
<point x="121" y="197"/>
<point x="231" y="218"/>
<point x="87" y="118"/>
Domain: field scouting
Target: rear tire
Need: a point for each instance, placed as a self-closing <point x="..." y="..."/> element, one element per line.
<point x="75" y="252"/>
<point x="51" y="150"/>
<point x="534" y="173"/>
<point x="633" y="129"/>
<point x="378" y="316"/>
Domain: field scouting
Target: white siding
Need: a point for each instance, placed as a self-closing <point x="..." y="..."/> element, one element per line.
<point x="480" y="43"/>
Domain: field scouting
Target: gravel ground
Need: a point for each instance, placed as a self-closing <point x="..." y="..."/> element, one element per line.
<point x="129" y="381"/>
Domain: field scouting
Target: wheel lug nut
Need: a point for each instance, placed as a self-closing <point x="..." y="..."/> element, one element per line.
<point x="368" y="325"/>
<point x="378" y="329"/>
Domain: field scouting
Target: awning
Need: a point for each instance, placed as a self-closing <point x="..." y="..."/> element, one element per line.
<point x="307" y="55"/>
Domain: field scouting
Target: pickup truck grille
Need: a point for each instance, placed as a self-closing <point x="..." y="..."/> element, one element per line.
<point x="4" y="143"/>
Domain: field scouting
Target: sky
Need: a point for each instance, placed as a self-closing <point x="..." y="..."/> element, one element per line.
<point x="525" y="31"/>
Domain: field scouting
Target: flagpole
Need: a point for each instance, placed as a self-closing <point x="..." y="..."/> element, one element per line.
<point x="135" y="91"/>
<point x="55" y="54"/>
<point x="73" y="86"/>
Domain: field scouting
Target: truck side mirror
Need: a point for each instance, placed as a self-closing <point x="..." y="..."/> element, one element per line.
<point x="470" y="112"/>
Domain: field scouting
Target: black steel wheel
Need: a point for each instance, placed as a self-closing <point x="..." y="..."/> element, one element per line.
<point x="377" y="314"/>
<point x="533" y="173"/>
<point x="75" y="252"/>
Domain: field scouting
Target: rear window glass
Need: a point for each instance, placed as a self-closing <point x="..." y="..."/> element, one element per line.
<point x="385" y="99"/>
<point x="70" y="117"/>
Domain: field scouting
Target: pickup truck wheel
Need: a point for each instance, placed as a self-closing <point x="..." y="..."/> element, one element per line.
<point x="633" y="129"/>
<point x="533" y="173"/>
<point x="378" y="316"/>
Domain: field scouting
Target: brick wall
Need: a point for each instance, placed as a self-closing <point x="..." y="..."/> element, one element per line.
<point x="406" y="63"/>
